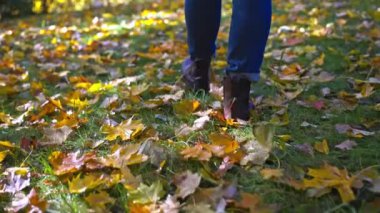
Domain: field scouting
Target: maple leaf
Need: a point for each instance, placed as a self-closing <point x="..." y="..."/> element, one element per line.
<point x="186" y="182"/>
<point x="126" y="130"/>
<point x="99" y="200"/>
<point x="146" y="194"/>
<point x="65" y="163"/>
<point x="123" y="156"/>
<point x="331" y="177"/>
<point x="79" y="185"/>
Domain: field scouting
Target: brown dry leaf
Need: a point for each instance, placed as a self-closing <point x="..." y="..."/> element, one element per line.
<point x="126" y="130"/>
<point x="322" y="147"/>
<point x="186" y="183"/>
<point x="271" y="173"/>
<point x="54" y="136"/>
<point x="331" y="177"/>
<point x="98" y="201"/>
<point x="186" y="107"/>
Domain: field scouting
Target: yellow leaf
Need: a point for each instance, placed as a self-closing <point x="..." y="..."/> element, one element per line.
<point x="331" y="177"/>
<point x="3" y="155"/>
<point x="6" y="144"/>
<point x="5" y="118"/>
<point x="125" y="130"/>
<point x="322" y="147"/>
<point x="226" y="141"/>
<point x="91" y="181"/>
<point x="186" y="107"/>
<point x="271" y="173"/>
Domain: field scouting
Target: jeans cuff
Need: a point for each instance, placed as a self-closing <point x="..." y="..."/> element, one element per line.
<point x="253" y="77"/>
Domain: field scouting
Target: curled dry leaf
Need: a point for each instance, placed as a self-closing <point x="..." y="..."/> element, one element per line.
<point x="15" y="180"/>
<point x="31" y="202"/>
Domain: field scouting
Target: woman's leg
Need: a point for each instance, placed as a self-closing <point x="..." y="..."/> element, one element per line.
<point x="202" y="21"/>
<point x="249" y="32"/>
<point x="251" y="20"/>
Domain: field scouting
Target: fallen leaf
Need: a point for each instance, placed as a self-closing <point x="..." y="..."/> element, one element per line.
<point x="170" y="205"/>
<point x="54" y="136"/>
<point x="98" y="201"/>
<point x="16" y="179"/>
<point x="146" y="194"/>
<point x="322" y="147"/>
<point x="186" y="183"/>
<point x="227" y="142"/>
<point x="3" y="155"/>
<point x="197" y="152"/>
<point x="126" y="130"/>
<point x="186" y="107"/>
<point x="271" y="173"/>
<point x="79" y="185"/>
<point x="346" y="145"/>
<point x="331" y="177"/>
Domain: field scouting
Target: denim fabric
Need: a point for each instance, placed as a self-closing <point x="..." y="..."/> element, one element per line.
<point x="250" y="25"/>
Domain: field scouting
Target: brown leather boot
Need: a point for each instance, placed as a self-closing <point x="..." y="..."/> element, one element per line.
<point x="196" y="74"/>
<point x="236" y="97"/>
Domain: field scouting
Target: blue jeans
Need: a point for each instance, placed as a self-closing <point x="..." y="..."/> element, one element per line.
<point x="250" y="26"/>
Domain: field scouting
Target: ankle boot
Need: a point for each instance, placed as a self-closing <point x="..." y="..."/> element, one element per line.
<point x="236" y="97"/>
<point x="196" y="74"/>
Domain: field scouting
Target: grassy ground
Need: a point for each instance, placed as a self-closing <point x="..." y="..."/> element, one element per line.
<point x="350" y="54"/>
